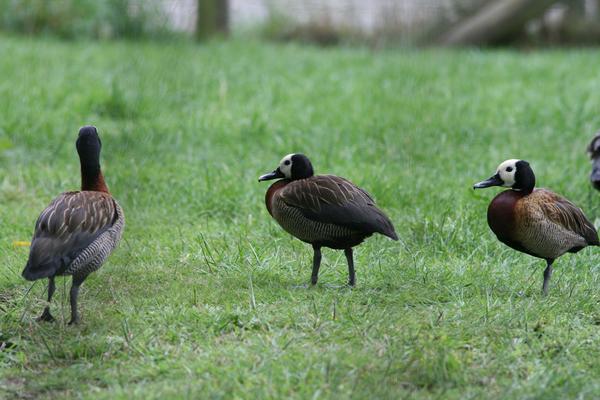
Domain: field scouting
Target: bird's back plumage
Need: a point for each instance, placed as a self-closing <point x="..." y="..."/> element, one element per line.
<point x="329" y="209"/>
<point x="74" y="235"/>
<point x="566" y="214"/>
<point x="549" y="225"/>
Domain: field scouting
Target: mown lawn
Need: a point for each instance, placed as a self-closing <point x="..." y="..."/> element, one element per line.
<point x="204" y="297"/>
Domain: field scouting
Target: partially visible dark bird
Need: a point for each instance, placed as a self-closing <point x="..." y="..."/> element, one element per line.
<point x="323" y="210"/>
<point x="535" y="221"/>
<point x="77" y="232"/>
<point x="594" y="153"/>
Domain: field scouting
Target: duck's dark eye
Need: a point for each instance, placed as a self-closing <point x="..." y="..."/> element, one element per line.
<point x="287" y="162"/>
<point x="509" y="169"/>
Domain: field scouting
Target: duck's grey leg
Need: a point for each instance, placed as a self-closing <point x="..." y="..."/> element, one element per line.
<point x="77" y="281"/>
<point x="46" y="316"/>
<point x="351" y="274"/>
<point x="316" y="264"/>
<point x="547" y="275"/>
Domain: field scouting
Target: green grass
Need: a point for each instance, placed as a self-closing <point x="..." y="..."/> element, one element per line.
<point x="201" y="300"/>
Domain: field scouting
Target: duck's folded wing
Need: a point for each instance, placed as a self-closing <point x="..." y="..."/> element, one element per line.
<point x="67" y="226"/>
<point x="568" y="215"/>
<point x="335" y="200"/>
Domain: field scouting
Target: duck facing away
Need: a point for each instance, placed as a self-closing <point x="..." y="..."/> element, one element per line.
<point x="535" y="221"/>
<point x="323" y="210"/>
<point x="77" y="232"/>
<point x="594" y="153"/>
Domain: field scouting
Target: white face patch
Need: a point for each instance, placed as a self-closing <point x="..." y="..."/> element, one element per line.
<point x="285" y="166"/>
<point x="507" y="171"/>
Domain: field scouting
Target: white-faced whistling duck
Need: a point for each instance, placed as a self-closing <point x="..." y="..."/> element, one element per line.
<point x="77" y="232"/>
<point x="594" y="153"/>
<point x="323" y="210"/>
<point x="535" y="221"/>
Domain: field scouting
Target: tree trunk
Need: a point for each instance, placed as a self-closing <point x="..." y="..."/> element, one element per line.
<point x="495" y="21"/>
<point x="212" y="18"/>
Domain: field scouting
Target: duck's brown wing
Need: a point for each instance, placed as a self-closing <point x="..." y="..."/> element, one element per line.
<point x="568" y="215"/>
<point x="66" y="227"/>
<point x="334" y="200"/>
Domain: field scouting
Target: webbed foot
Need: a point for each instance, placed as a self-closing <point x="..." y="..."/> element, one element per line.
<point x="46" y="316"/>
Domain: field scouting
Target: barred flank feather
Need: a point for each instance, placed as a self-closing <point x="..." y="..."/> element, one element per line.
<point x="296" y="223"/>
<point x="93" y="256"/>
<point x="550" y="225"/>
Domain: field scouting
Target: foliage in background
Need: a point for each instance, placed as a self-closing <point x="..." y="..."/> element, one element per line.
<point x="412" y="22"/>
<point x="279" y="27"/>
<point x="377" y="23"/>
<point x="94" y="19"/>
<point x="323" y="25"/>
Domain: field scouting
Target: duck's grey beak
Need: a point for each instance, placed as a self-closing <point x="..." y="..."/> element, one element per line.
<point x="493" y="181"/>
<point x="272" y="175"/>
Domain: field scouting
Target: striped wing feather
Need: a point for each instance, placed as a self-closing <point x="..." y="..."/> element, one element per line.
<point x="565" y="213"/>
<point x="334" y="200"/>
<point x="66" y="227"/>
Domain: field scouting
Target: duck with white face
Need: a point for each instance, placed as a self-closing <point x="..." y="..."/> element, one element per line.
<point x="323" y="210"/>
<point x="537" y="222"/>
<point x="506" y="176"/>
<point x="301" y="164"/>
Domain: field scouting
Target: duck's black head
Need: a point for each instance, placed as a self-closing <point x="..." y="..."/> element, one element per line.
<point x="88" y="146"/>
<point x="594" y="153"/>
<point x="515" y="174"/>
<point x="293" y="167"/>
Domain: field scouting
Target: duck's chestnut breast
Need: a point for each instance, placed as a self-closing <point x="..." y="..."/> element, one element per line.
<point x="501" y="214"/>
<point x="272" y="191"/>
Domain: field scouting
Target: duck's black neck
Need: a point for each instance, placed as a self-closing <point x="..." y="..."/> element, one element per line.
<point x="524" y="192"/>
<point x="92" y="178"/>
<point x="524" y="178"/>
<point x="525" y="186"/>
